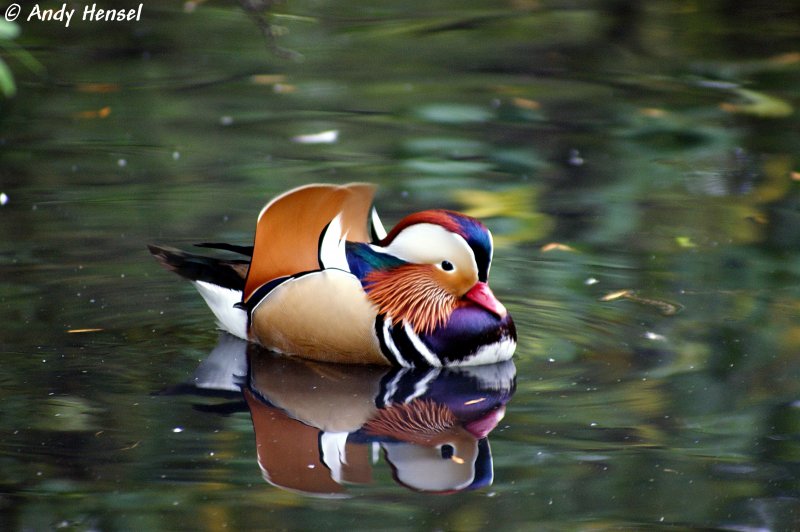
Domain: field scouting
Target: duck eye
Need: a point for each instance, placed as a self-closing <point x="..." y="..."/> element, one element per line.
<point x="447" y="266"/>
<point x="447" y="451"/>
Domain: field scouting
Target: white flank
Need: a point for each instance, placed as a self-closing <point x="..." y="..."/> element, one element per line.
<point x="221" y="301"/>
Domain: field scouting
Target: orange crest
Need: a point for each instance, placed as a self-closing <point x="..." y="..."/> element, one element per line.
<point x="411" y="294"/>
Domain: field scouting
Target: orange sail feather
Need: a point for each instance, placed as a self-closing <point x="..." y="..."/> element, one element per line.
<point x="289" y="228"/>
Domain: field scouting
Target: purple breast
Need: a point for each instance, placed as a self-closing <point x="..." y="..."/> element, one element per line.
<point x="469" y="329"/>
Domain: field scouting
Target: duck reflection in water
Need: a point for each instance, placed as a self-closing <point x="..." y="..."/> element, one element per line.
<point x="321" y="426"/>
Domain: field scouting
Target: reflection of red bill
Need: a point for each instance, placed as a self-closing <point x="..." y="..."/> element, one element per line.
<point x="481" y="427"/>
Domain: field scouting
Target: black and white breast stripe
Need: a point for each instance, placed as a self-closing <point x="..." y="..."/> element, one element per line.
<point x="402" y="346"/>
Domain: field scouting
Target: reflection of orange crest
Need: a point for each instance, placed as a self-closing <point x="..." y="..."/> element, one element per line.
<point x="419" y="421"/>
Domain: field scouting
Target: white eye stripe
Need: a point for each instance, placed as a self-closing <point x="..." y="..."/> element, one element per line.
<point x="427" y="243"/>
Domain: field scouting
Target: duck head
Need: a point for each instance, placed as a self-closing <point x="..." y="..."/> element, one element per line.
<point x="445" y="258"/>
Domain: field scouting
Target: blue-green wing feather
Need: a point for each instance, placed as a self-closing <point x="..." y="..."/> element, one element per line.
<point x="363" y="259"/>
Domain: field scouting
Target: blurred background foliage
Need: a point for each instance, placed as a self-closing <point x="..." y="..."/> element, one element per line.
<point x="633" y="159"/>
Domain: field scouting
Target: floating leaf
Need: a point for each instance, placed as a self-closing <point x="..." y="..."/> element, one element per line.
<point x="97" y="88"/>
<point x="789" y="58"/>
<point x="652" y="112"/>
<point x="514" y="202"/>
<point x="278" y="82"/>
<point x="103" y="112"/>
<point x="758" y="104"/>
<point x="745" y="69"/>
<point x="525" y="103"/>
<point x="665" y="307"/>
<point x="268" y="79"/>
<point x="284" y="88"/>
<point x="758" y="218"/>
<point x="518" y="203"/>
<point x="556" y="246"/>
<point x="616" y="295"/>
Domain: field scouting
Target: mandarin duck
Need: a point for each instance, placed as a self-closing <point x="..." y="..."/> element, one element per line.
<point x="325" y="281"/>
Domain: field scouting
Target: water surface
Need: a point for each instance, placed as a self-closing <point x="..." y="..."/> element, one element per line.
<point x="636" y="163"/>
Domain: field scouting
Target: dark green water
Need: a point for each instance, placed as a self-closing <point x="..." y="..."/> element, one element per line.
<point x="657" y="141"/>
